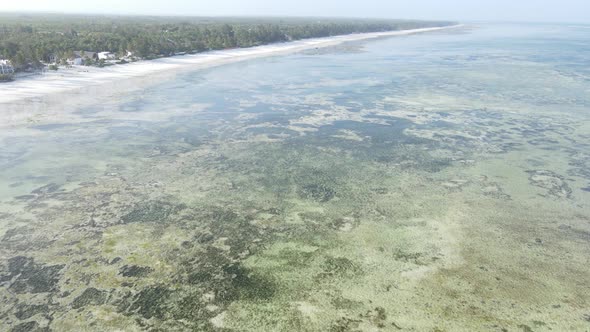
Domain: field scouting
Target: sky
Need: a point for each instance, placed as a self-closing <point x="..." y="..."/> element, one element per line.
<point x="466" y="10"/>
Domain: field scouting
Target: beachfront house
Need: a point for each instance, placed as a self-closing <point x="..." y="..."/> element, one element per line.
<point x="6" y="67"/>
<point x="53" y="58"/>
<point x="129" y="56"/>
<point x="80" y="58"/>
<point x="106" y="56"/>
<point x="75" y="61"/>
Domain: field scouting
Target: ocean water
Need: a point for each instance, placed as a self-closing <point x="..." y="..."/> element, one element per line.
<point x="435" y="182"/>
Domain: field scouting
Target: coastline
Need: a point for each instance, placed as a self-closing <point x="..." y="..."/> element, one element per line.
<point x="21" y="99"/>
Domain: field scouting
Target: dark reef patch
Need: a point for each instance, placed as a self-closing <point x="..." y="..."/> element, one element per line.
<point x="316" y="184"/>
<point x="273" y="131"/>
<point x="29" y="277"/>
<point x="155" y="211"/>
<point x="151" y="302"/>
<point x="340" y="302"/>
<point x="47" y="189"/>
<point x="29" y="327"/>
<point x="191" y="307"/>
<point x="345" y="324"/>
<point x="575" y="232"/>
<point x="23" y="239"/>
<point x="317" y="192"/>
<point x="135" y="271"/>
<point x="25" y="311"/>
<point x="580" y="163"/>
<point x="229" y="281"/>
<point x="274" y="118"/>
<point x="91" y="296"/>
<point x="494" y="190"/>
<point x="339" y="267"/>
<point x="295" y="258"/>
<point x="380" y="136"/>
<point x="248" y="285"/>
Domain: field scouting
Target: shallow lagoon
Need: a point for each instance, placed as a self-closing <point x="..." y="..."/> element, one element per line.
<point x="437" y="182"/>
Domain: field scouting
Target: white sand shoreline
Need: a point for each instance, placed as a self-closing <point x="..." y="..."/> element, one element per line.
<point x="17" y="95"/>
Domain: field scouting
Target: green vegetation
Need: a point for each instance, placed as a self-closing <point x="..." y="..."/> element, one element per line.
<point x="29" y="40"/>
<point x="6" y="77"/>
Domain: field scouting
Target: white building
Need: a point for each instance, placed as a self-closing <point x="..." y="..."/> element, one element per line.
<point x="76" y="61"/>
<point x="80" y="57"/>
<point x="5" y="67"/>
<point x="53" y="58"/>
<point x="130" y="56"/>
<point x="106" y="56"/>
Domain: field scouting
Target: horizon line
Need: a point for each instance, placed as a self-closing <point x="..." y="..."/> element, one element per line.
<point x="251" y="16"/>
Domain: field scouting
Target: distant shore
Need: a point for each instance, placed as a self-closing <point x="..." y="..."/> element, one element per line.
<point x="51" y="86"/>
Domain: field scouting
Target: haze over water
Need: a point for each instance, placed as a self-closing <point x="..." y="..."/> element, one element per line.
<point x="435" y="182"/>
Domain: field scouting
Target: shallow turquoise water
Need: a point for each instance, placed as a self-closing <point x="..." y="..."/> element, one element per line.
<point x="435" y="182"/>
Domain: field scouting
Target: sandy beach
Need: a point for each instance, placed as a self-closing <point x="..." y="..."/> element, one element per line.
<point x="33" y="96"/>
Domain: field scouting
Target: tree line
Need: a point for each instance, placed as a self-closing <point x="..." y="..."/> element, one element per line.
<point x="31" y="40"/>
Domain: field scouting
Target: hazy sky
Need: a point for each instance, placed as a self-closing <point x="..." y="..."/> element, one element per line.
<point x="498" y="10"/>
